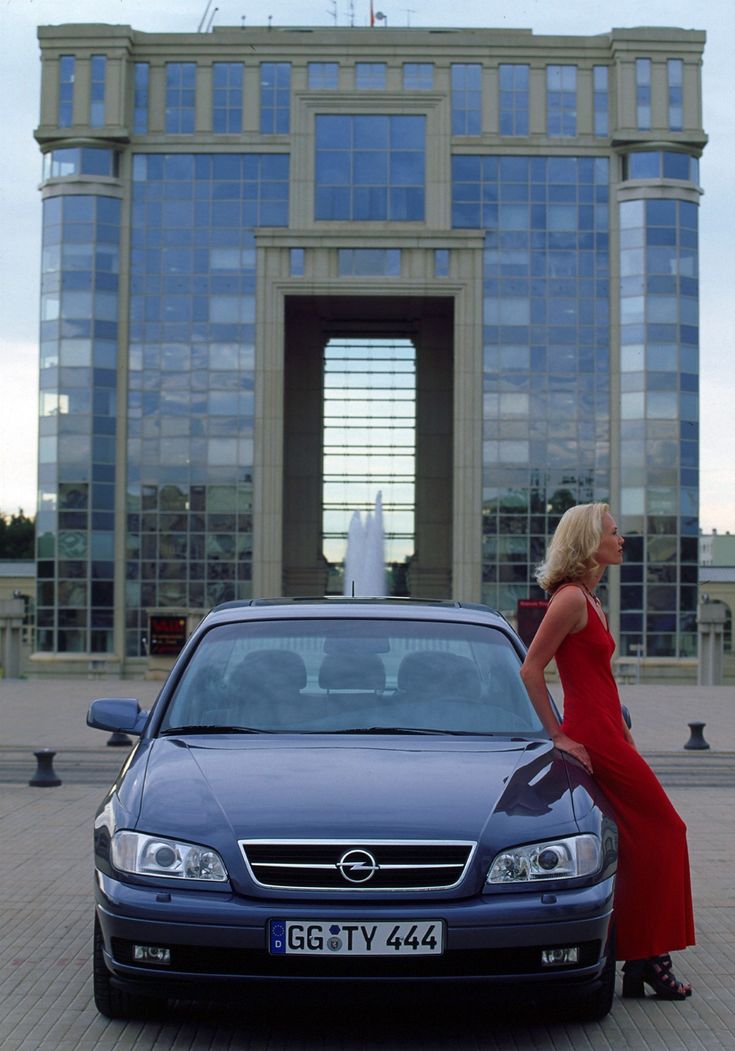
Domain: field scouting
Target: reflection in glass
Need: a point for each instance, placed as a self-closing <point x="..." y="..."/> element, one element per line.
<point x="369" y="445"/>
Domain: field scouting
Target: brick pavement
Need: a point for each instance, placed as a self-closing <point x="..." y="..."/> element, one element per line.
<point x="46" y="917"/>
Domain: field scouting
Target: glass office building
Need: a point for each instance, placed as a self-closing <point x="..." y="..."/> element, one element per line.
<point x="519" y="213"/>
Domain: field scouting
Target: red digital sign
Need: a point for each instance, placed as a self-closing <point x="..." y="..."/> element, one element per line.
<point x="167" y="635"/>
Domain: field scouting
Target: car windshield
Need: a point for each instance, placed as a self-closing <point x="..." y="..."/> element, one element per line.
<point x="352" y="676"/>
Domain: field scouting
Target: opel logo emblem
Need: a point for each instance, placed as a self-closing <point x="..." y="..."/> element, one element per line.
<point x="357" y="866"/>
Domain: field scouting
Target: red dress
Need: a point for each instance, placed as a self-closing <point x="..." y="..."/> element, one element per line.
<point x="653" y="901"/>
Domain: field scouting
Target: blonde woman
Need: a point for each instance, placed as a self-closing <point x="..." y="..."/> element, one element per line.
<point x="653" y="907"/>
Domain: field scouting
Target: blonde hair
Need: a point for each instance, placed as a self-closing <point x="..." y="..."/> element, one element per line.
<point x="570" y="554"/>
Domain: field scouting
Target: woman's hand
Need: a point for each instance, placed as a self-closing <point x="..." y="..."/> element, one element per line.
<point x="629" y="737"/>
<point x="573" y="748"/>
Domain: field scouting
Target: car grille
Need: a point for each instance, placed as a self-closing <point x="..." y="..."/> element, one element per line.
<point x="357" y="866"/>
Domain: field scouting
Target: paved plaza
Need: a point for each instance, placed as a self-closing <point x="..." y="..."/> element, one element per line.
<point x="46" y="909"/>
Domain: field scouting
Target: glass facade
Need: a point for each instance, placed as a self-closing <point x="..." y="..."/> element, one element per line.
<point x="98" y="76"/>
<point x="227" y="100"/>
<point x="370" y="167"/>
<point x="323" y="74"/>
<point x="546" y="369"/>
<point x="418" y="76"/>
<point x="191" y="376"/>
<point x="297" y="262"/>
<point x="375" y="142"/>
<point x="513" y="99"/>
<point x="275" y="98"/>
<point x="466" y="98"/>
<point x="78" y="424"/>
<point x="67" y="72"/>
<point x="601" y="101"/>
<point x="561" y="101"/>
<point x="79" y="160"/>
<point x="369" y="446"/>
<point x="659" y="426"/>
<point x="140" y="98"/>
<point x="675" y="75"/>
<point x="643" y="93"/>
<point x="181" y="85"/>
<point x="660" y="164"/>
<point x="441" y="262"/>
<point x="369" y="262"/>
<point x="370" y="76"/>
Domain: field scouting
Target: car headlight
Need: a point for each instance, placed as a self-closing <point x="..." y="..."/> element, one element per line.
<point x="565" y="858"/>
<point x="146" y="855"/>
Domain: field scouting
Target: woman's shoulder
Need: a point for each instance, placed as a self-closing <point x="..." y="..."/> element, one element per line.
<point x="569" y="593"/>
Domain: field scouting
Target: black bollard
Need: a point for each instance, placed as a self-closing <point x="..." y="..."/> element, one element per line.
<point x="696" y="740"/>
<point x="45" y="776"/>
<point x="117" y="739"/>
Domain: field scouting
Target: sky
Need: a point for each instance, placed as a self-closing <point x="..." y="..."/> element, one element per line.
<point x="20" y="173"/>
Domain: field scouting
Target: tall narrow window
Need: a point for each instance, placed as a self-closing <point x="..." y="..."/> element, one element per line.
<point x="227" y="82"/>
<point x="275" y="98"/>
<point x="466" y="99"/>
<point x="643" y="94"/>
<point x="67" y="69"/>
<point x="561" y="101"/>
<point x="369" y="447"/>
<point x="140" y="98"/>
<point x="513" y="99"/>
<point x="180" y="97"/>
<point x="600" y="100"/>
<point x="97" y="91"/>
<point x="675" y="71"/>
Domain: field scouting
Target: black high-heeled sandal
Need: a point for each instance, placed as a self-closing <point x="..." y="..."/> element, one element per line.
<point x="656" y="972"/>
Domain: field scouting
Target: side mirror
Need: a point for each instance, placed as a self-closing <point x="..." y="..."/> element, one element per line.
<point x="118" y="715"/>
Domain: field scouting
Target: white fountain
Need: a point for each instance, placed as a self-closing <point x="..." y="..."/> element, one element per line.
<point x="365" y="557"/>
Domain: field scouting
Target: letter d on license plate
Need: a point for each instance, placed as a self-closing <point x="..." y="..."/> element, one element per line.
<point x="355" y="938"/>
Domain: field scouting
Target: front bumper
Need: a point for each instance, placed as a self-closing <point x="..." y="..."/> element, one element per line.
<point x="219" y="940"/>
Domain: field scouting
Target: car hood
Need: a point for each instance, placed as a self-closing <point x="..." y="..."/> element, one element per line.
<point x="204" y="788"/>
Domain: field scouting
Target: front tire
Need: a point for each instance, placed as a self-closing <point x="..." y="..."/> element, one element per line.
<point x="113" y="1002"/>
<point x="596" y="1006"/>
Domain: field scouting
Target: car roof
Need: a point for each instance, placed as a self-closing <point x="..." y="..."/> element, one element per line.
<point x="337" y="606"/>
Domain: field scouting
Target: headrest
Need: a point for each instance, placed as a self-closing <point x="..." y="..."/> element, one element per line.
<point x="280" y="670"/>
<point x="356" y="671"/>
<point x="435" y="674"/>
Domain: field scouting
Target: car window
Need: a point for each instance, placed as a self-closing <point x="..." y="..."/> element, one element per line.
<point x="340" y="675"/>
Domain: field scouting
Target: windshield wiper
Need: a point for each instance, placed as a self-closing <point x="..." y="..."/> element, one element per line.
<point x="214" y="728"/>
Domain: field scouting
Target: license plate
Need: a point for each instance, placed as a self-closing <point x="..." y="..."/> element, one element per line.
<point x="353" y="938"/>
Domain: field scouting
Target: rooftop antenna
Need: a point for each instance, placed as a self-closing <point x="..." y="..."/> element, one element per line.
<point x="381" y="17"/>
<point x="200" y="27"/>
<point x="242" y="21"/>
<point x="352" y="13"/>
<point x="333" y="11"/>
<point x="211" y="19"/>
<point x="409" y="11"/>
<point x="270" y="19"/>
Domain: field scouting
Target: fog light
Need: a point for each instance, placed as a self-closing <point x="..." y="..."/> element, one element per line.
<point x="559" y="957"/>
<point x="154" y="954"/>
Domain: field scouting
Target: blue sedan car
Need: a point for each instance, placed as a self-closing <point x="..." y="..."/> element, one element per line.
<point x="349" y="789"/>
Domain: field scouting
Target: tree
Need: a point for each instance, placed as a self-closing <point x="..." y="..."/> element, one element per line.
<point x="17" y="534"/>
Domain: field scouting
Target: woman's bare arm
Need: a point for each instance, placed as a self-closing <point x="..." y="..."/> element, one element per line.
<point x="566" y="614"/>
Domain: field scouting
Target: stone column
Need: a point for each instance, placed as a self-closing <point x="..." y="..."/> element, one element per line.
<point x="11" y="633"/>
<point x="711" y="625"/>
